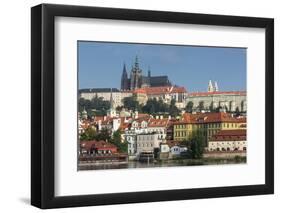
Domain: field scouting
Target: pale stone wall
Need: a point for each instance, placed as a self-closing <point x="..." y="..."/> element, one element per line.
<point x="227" y="145"/>
<point x="116" y="96"/>
<point x="231" y="101"/>
<point x="147" y="142"/>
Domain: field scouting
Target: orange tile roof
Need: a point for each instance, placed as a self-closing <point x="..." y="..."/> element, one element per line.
<point x="230" y="135"/>
<point x="153" y="122"/>
<point x="211" y="117"/>
<point x="96" y="144"/>
<point x="141" y="115"/>
<point x="160" y="90"/>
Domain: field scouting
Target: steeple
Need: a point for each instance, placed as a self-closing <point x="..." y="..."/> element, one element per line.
<point x="111" y="99"/>
<point x="136" y="63"/>
<point x="124" y="74"/>
<point x="210" y="87"/>
<point x="216" y="88"/>
<point x="149" y="72"/>
<point x="124" y="78"/>
<point x="111" y="112"/>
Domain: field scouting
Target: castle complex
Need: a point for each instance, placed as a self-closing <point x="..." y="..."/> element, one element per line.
<point x="160" y="87"/>
<point x="138" y="80"/>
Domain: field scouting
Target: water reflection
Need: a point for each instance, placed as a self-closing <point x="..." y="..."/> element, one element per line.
<point x="172" y="163"/>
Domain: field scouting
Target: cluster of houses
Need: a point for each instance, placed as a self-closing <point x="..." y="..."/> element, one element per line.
<point x="163" y="137"/>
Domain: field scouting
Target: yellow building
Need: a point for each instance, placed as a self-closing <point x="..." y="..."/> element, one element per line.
<point x="207" y="123"/>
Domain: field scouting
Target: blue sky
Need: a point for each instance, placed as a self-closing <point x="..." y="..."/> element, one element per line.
<point x="100" y="64"/>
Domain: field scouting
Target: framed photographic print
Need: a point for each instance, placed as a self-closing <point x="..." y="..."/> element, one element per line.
<point x="139" y="106"/>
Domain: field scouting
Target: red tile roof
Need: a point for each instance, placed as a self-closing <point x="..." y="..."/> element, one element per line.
<point x="211" y="117"/>
<point x="160" y="90"/>
<point x="141" y="115"/>
<point x="230" y="135"/>
<point x="153" y="122"/>
<point x="101" y="145"/>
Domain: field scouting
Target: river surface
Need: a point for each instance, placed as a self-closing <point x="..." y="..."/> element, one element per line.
<point x="169" y="163"/>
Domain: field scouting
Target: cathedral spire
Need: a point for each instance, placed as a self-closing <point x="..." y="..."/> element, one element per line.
<point x="124" y="78"/>
<point x="149" y="72"/>
<point x="136" y="63"/>
<point x="124" y="74"/>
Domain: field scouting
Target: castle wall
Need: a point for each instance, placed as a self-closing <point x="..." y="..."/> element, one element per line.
<point x="231" y="101"/>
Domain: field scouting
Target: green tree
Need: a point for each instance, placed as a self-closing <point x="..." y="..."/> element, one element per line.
<point x="189" y="106"/>
<point x="88" y="134"/>
<point x="174" y="111"/>
<point x="154" y="106"/>
<point x="103" y="135"/>
<point x="84" y="104"/>
<point x="237" y="112"/>
<point x="201" y="105"/>
<point x="196" y="145"/>
<point x="212" y="108"/>
<point x="96" y="106"/>
<point x="117" y="141"/>
<point x="131" y="103"/>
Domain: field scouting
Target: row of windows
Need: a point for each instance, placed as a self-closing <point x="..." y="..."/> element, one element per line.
<point x="212" y="132"/>
<point x="228" y="143"/>
<point x="145" y="144"/>
<point x="226" y="125"/>
<point x="185" y="133"/>
<point x="227" y="149"/>
<point x="182" y="126"/>
<point x="181" y="134"/>
<point x="210" y="125"/>
<point x="147" y="137"/>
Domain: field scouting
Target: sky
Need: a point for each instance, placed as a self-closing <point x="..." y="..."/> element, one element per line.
<point x="100" y="64"/>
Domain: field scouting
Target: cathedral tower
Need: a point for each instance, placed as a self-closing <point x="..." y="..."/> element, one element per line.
<point x="124" y="79"/>
<point x="136" y="75"/>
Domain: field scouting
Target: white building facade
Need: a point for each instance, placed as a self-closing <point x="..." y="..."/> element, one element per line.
<point x="147" y="142"/>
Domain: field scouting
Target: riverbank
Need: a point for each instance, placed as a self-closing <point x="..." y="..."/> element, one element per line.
<point x="161" y="163"/>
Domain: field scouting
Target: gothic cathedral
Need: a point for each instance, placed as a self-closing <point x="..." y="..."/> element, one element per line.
<point x="138" y="80"/>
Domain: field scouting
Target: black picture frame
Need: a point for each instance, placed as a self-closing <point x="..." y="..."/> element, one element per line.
<point x="43" y="102"/>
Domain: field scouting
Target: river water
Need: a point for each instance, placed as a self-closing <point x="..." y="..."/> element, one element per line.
<point x="169" y="163"/>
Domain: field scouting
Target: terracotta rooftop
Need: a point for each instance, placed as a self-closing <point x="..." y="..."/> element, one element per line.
<point x="153" y="122"/>
<point x="160" y="90"/>
<point x="96" y="144"/>
<point x="230" y="135"/>
<point x="211" y="117"/>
